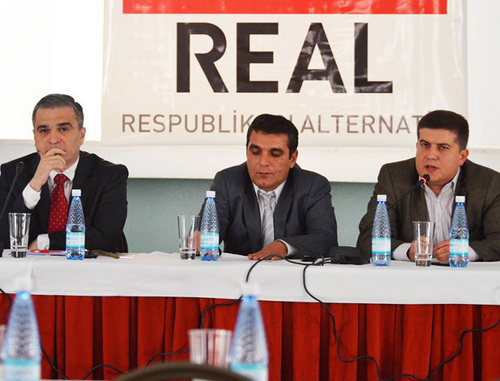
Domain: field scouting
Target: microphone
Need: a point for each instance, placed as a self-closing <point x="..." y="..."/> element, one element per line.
<point x="422" y="180"/>
<point x="19" y="169"/>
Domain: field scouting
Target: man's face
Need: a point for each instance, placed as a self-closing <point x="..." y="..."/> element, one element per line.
<point x="439" y="155"/>
<point x="268" y="159"/>
<point x="58" y="128"/>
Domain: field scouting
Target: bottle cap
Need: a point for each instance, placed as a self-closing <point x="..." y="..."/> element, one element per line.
<point x="76" y="192"/>
<point x="23" y="284"/>
<point x="381" y="197"/>
<point x="460" y="199"/>
<point x="210" y="193"/>
<point x="248" y="288"/>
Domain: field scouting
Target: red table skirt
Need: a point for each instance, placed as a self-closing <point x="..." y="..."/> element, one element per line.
<point x="79" y="333"/>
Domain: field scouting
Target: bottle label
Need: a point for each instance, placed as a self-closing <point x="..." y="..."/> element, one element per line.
<point x="21" y="370"/>
<point x="255" y="372"/>
<point x="381" y="246"/>
<point x="209" y="241"/>
<point x="459" y="247"/>
<point x="75" y="240"/>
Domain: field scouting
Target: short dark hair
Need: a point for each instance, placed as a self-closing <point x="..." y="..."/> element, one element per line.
<point x="275" y="124"/>
<point x="446" y="120"/>
<point x="58" y="101"/>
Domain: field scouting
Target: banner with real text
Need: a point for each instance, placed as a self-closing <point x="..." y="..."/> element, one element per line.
<point x="347" y="73"/>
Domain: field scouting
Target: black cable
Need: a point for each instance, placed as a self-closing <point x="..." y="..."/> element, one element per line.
<point x="213" y="305"/>
<point x="371" y="358"/>
<point x="9" y="300"/>
<point x="460" y="342"/>
<point x="53" y="366"/>
<point x="103" y="366"/>
<point x="181" y="351"/>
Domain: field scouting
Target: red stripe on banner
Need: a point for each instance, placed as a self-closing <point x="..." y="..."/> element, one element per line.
<point x="286" y="6"/>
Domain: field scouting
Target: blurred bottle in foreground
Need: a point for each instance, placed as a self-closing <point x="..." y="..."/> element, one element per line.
<point x="21" y="354"/>
<point x="249" y="355"/>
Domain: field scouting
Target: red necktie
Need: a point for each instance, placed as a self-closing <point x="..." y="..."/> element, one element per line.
<point x="58" y="213"/>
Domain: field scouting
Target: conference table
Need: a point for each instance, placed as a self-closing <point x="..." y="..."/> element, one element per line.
<point x="399" y="319"/>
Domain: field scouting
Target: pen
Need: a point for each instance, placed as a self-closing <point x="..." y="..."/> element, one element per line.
<point x="107" y="254"/>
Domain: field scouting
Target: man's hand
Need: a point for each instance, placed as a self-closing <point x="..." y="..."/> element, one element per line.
<point x="51" y="160"/>
<point x="411" y="252"/>
<point x="33" y="245"/>
<point x="442" y="251"/>
<point x="277" y="248"/>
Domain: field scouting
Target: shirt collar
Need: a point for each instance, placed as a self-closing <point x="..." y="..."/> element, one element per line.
<point x="277" y="191"/>
<point x="449" y="187"/>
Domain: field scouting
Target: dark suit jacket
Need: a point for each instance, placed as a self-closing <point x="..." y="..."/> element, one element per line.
<point x="104" y="200"/>
<point x="304" y="216"/>
<point x="479" y="185"/>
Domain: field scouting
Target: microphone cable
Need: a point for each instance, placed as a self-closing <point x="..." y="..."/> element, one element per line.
<point x="9" y="306"/>
<point x="371" y="358"/>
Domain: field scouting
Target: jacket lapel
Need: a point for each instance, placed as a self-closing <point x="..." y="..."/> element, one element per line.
<point x="283" y="207"/>
<point x="251" y="215"/>
<point x="82" y="173"/>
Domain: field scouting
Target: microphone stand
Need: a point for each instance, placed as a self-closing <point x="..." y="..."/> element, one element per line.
<point x="19" y="169"/>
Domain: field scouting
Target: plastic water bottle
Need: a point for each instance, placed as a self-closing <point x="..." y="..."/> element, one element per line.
<point x="209" y="247"/>
<point x="75" y="228"/>
<point x="249" y="355"/>
<point x="21" y="354"/>
<point x="459" y="235"/>
<point x="381" y="234"/>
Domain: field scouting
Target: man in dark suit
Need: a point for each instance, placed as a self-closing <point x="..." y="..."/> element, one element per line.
<point x="59" y="133"/>
<point x="269" y="205"/>
<point x="442" y="154"/>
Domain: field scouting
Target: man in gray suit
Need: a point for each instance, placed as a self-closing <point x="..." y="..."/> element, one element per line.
<point x="441" y="154"/>
<point x="269" y="205"/>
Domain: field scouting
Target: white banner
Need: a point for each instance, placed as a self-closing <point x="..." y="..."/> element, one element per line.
<point x="197" y="72"/>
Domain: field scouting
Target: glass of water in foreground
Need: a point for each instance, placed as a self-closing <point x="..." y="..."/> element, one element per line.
<point x="189" y="235"/>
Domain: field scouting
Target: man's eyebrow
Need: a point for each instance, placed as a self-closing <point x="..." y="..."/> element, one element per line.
<point x="253" y="146"/>
<point x="63" y="124"/>
<point x="41" y="126"/>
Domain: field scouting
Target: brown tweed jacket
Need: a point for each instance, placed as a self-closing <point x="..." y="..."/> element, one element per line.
<point x="479" y="185"/>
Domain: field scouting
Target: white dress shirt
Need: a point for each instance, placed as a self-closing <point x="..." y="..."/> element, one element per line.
<point x="32" y="197"/>
<point x="290" y="249"/>
<point x="439" y="209"/>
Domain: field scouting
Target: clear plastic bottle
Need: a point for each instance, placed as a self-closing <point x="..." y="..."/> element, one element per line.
<point x="459" y="235"/>
<point x="209" y="228"/>
<point x="381" y="234"/>
<point x="21" y="354"/>
<point x="75" y="228"/>
<point x="249" y="355"/>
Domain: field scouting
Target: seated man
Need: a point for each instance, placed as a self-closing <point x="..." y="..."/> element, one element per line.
<point x="269" y="205"/>
<point x="44" y="185"/>
<point x="441" y="154"/>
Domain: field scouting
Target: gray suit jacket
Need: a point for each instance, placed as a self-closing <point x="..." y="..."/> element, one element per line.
<point x="304" y="216"/>
<point x="479" y="185"/>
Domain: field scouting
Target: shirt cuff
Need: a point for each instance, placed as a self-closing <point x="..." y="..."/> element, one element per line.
<point x="43" y="242"/>
<point x="399" y="252"/>
<point x="472" y="255"/>
<point x="289" y="248"/>
<point x="30" y="197"/>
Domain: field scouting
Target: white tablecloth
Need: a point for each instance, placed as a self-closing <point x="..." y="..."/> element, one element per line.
<point x="165" y="274"/>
